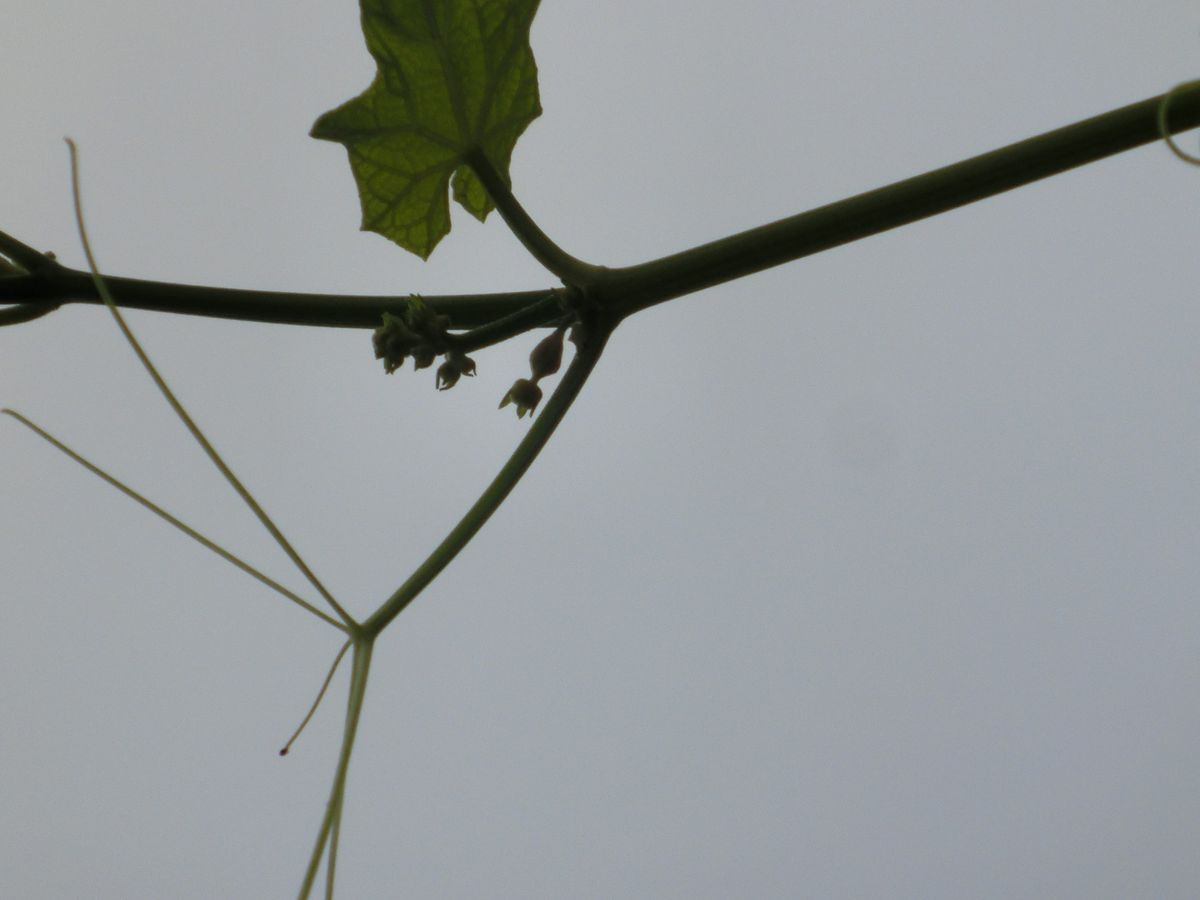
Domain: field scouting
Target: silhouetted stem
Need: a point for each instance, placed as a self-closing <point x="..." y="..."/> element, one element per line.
<point x="183" y="415"/>
<point x="360" y="668"/>
<point x="24" y="312"/>
<point x="535" y="439"/>
<point x="532" y="316"/>
<point x="173" y="520"/>
<point x="571" y="270"/>
<point x="630" y="289"/>
<point x="63" y="285"/>
<point x="22" y="254"/>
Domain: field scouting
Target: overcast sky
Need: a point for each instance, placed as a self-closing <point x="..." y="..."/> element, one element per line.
<point x="871" y="576"/>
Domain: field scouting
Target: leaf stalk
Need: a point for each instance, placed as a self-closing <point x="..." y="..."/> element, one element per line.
<point x="570" y="270"/>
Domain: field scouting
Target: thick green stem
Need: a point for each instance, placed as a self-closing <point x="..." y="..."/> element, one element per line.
<point x="627" y="290"/>
<point x="630" y="289"/>
<point x="533" y="442"/>
<point x="62" y="285"/>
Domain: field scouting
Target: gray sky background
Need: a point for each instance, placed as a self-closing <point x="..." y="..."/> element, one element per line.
<point x="874" y="575"/>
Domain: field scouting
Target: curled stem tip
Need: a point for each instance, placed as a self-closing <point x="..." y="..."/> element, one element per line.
<point x="317" y="702"/>
<point x="1163" y="128"/>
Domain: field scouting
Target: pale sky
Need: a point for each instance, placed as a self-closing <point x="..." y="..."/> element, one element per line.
<point x="871" y="576"/>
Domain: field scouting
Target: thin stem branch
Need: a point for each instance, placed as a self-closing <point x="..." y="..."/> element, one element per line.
<point x="22" y="254"/>
<point x="540" y="313"/>
<point x="172" y="520"/>
<point x="572" y="271"/>
<point x="335" y="834"/>
<point x="522" y="457"/>
<point x="630" y="289"/>
<point x="189" y="423"/>
<point x="337" y="660"/>
<point x="1164" y="128"/>
<point x="360" y="668"/>
<point x="24" y="312"/>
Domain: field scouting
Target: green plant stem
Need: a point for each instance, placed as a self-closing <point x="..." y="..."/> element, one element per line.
<point x="360" y="668"/>
<point x="102" y="289"/>
<point x="542" y="312"/>
<point x="1164" y="115"/>
<point x="523" y="456"/>
<point x="22" y="254"/>
<point x="630" y="289"/>
<point x="572" y="271"/>
<point x="62" y="285"/>
<point x="172" y="520"/>
<point x="337" y="661"/>
<point x="24" y="312"/>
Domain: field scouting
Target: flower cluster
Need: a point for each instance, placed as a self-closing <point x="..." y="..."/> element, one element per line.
<point x="544" y="360"/>
<point x="421" y="333"/>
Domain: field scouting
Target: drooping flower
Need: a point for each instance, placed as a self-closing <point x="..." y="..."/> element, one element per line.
<point x="524" y="394"/>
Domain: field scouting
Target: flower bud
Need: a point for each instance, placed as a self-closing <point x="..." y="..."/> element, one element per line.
<point x="423" y="357"/>
<point x="447" y="375"/>
<point x="524" y="394"/>
<point x="393" y="341"/>
<point x="455" y="366"/>
<point x="423" y="321"/>
<point x="547" y="355"/>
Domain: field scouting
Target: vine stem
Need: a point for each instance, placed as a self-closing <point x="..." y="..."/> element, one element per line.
<point x="540" y="313"/>
<point x="23" y="255"/>
<point x="182" y="414"/>
<point x="637" y="287"/>
<point x="634" y="288"/>
<point x="54" y="286"/>
<point x="506" y="479"/>
<point x="24" y="312"/>
<point x="330" y="824"/>
<point x="572" y="271"/>
<point x="173" y="520"/>
<point x="1164" y="128"/>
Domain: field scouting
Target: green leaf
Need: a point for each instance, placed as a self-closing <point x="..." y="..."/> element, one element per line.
<point x="453" y="76"/>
